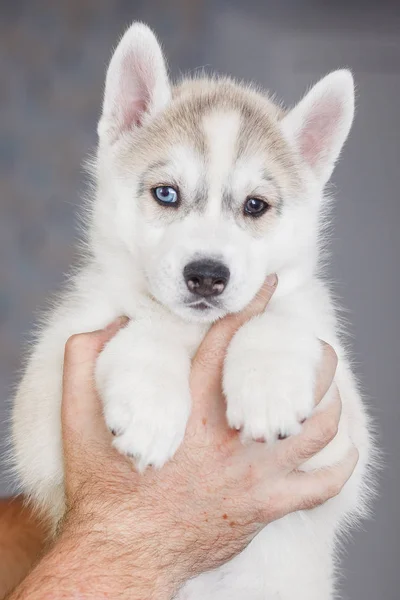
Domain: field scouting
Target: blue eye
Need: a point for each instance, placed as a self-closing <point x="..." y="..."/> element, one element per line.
<point x="165" y="194"/>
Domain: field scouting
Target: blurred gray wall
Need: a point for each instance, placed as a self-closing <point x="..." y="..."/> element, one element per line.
<point x="52" y="61"/>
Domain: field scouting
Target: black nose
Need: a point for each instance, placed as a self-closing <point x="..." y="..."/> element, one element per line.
<point x="206" y="277"/>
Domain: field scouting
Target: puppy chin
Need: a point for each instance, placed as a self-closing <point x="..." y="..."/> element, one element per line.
<point x="198" y="315"/>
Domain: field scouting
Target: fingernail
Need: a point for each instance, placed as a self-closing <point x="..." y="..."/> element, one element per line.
<point x="117" y="323"/>
<point x="123" y="320"/>
<point x="272" y="280"/>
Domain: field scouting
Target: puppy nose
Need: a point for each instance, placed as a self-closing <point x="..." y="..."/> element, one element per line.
<point x="206" y="277"/>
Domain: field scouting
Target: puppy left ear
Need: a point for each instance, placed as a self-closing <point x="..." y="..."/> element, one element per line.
<point x="319" y="125"/>
<point x="137" y="85"/>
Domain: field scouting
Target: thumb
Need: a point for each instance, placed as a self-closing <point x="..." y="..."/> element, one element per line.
<point x="208" y="362"/>
<point x="80" y="409"/>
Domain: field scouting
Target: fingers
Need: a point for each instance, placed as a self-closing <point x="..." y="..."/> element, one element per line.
<point x="315" y="487"/>
<point x="210" y="356"/>
<point x="326" y="372"/>
<point x="317" y="432"/>
<point x="81" y="410"/>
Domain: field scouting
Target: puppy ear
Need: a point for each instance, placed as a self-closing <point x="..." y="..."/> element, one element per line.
<point x="320" y="123"/>
<point x="137" y="85"/>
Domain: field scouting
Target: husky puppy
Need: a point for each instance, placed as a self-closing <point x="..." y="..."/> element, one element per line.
<point x="201" y="190"/>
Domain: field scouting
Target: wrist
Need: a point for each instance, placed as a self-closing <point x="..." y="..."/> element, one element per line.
<point x="119" y="564"/>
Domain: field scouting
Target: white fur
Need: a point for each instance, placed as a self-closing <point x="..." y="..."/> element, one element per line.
<point x="135" y="268"/>
<point x="222" y="152"/>
<point x="271" y="363"/>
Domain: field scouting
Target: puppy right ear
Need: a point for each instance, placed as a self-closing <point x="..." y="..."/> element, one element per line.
<point x="137" y="85"/>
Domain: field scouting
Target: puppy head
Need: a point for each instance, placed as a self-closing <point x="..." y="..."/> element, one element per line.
<point x="209" y="186"/>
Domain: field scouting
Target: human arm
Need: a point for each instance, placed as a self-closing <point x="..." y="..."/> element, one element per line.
<point x="22" y="540"/>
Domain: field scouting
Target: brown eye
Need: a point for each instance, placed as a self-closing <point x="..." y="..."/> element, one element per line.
<point x="255" y="207"/>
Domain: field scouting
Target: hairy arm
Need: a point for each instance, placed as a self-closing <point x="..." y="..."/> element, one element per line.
<point x="87" y="565"/>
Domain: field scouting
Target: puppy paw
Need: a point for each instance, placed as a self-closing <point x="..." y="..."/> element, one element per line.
<point x="269" y="392"/>
<point x="146" y="403"/>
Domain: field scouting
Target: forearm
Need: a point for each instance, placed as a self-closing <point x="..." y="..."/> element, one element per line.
<point x="82" y="566"/>
<point x="22" y="541"/>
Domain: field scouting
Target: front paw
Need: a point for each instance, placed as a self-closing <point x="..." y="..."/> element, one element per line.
<point x="146" y="404"/>
<point x="269" y="392"/>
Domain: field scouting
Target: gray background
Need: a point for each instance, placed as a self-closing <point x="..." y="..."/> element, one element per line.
<point x="52" y="61"/>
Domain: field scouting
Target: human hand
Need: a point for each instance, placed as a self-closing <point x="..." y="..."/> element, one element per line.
<point x="156" y="530"/>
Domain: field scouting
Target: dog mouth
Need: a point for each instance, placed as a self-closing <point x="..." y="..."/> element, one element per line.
<point x="202" y="305"/>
